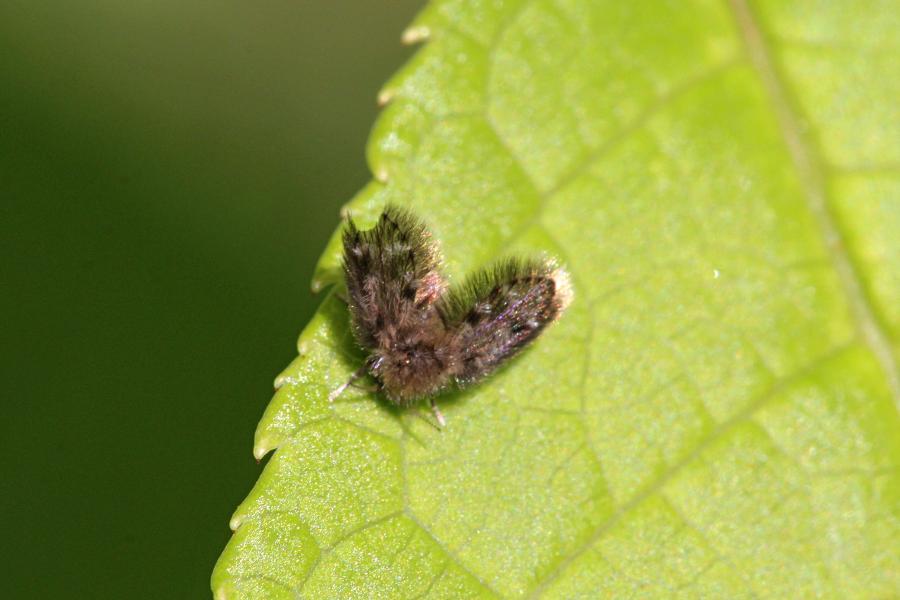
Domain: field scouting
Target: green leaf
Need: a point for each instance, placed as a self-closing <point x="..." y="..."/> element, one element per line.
<point x="716" y="415"/>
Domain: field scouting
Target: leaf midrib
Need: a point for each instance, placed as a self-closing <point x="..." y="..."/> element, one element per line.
<point x="810" y="173"/>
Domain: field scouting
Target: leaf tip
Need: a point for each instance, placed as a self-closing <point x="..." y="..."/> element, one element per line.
<point x="415" y="34"/>
<point x="385" y="96"/>
<point x="235" y="522"/>
<point x="323" y="277"/>
<point x="259" y="451"/>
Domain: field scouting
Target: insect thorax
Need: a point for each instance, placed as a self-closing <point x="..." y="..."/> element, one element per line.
<point x="413" y="364"/>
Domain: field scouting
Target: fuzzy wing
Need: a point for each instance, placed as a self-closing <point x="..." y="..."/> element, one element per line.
<point x="500" y="310"/>
<point x="391" y="272"/>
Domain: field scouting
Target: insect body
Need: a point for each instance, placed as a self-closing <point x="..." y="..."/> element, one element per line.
<point x="422" y="335"/>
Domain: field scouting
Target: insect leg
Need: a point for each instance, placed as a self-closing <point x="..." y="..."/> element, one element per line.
<point x="340" y="390"/>
<point x="372" y="389"/>
<point x="438" y="415"/>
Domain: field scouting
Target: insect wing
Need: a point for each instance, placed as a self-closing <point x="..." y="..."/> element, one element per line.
<point x="500" y="310"/>
<point x="391" y="270"/>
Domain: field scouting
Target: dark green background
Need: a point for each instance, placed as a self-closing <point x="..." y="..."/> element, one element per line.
<point x="169" y="173"/>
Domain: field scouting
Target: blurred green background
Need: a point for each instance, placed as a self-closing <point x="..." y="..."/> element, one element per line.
<point x="169" y="173"/>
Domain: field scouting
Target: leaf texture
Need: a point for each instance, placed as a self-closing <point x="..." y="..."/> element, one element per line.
<point x="716" y="415"/>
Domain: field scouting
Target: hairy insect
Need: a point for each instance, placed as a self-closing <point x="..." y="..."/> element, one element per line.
<point x="423" y="336"/>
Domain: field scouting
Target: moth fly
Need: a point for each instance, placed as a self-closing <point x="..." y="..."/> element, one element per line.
<point x="422" y="335"/>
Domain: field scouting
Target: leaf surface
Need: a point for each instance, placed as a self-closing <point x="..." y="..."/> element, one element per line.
<point x="716" y="415"/>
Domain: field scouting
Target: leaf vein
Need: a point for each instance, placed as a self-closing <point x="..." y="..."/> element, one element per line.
<point x="809" y="169"/>
<point x="450" y="555"/>
<point x="659" y="483"/>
